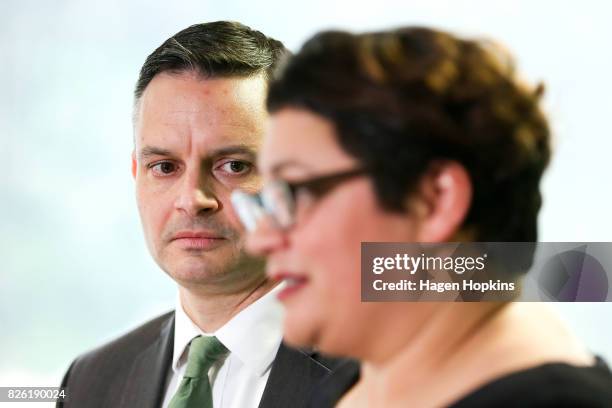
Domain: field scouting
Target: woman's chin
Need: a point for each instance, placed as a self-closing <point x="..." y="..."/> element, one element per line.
<point x="300" y="331"/>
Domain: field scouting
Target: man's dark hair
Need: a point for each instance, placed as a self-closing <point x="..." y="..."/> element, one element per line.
<point x="216" y="49"/>
<point x="402" y="99"/>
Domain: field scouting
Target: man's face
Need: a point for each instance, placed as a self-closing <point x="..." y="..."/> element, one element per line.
<point x="195" y="141"/>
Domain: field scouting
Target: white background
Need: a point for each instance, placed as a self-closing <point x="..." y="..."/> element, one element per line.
<point x="75" y="271"/>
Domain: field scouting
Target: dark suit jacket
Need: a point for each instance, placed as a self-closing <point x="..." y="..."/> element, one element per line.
<point x="132" y="372"/>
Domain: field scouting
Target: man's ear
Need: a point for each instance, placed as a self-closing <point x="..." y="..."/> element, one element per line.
<point x="134" y="164"/>
<point x="444" y="197"/>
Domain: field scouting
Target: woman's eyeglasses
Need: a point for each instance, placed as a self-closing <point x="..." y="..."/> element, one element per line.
<point x="278" y="199"/>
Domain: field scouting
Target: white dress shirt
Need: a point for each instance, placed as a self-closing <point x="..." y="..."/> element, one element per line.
<point x="252" y="337"/>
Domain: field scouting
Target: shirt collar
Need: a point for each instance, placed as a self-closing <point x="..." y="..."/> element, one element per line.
<point x="253" y="335"/>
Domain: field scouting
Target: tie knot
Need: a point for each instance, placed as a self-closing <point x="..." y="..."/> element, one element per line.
<point x="203" y="352"/>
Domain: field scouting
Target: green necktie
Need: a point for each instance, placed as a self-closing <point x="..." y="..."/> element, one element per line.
<point x="195" y="389"/>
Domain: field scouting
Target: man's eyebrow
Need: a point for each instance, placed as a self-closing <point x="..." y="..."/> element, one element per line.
<point x="149" y="151"/>
<point x="230" y="150"/>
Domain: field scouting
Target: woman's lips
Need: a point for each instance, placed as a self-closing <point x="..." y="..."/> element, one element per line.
<point x="293" y="284"/>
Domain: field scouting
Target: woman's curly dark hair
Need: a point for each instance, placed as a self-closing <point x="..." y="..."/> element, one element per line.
<point x="401" y="99"/>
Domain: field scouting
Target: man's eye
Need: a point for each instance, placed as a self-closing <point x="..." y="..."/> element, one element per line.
<point x="236" y="167"/>
<point x="163" y="168"/>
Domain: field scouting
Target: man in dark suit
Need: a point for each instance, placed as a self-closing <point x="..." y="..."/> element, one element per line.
<point x="199" y="119"/>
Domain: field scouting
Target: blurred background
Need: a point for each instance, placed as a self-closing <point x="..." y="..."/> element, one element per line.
<point x="75" y="271"/>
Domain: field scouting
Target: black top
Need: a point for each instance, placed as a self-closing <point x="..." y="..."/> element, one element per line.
<point x="548" y="385"/>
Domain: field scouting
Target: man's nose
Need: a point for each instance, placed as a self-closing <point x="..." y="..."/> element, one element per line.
<point x="196" y="195"/>
<point x="266" y="238"/>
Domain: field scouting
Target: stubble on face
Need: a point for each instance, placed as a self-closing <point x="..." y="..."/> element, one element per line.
<point x="224" y="268"/>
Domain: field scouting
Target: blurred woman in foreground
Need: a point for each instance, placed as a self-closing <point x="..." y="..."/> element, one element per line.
<point x="411" y="135"/>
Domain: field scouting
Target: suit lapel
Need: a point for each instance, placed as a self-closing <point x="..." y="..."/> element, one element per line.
<point x="293" y="376"/>
<point x="147" y="380"/>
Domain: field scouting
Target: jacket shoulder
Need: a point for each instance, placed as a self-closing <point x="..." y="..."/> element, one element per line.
<point x="105" y="369"/>
<point x="128" y="344"/>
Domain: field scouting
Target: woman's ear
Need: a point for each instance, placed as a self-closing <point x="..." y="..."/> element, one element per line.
<point x="443" y="199"/>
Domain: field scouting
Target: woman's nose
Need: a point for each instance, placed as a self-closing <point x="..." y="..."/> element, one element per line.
<point x="265" y="238"/>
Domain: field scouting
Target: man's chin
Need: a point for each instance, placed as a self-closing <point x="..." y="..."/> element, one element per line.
<point x="190" y="267"/>
<point x="211" y="278"/>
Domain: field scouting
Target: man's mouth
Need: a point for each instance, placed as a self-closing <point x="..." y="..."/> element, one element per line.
<point x="201" y="240"/>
